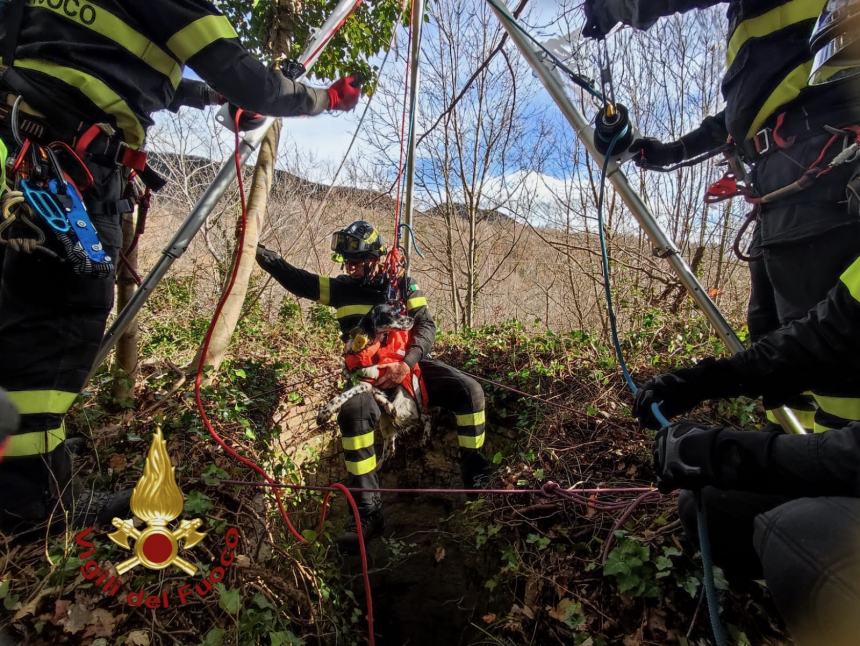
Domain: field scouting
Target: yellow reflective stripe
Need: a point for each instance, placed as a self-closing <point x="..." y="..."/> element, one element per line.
<point x="96" y="91"/>
<point x="844" y="407"/>
<point x="358" y="441"/>
<point x="35" y="443"/>
<point x="471" y="419"/>
<point x="372" y="237"/>
<point x="362" y="466"/>
<point x="29" y="402"/>
<point x="821" y="428"/>
<point x="805" y="417"/>
<point x="352" y="310"/>
<point x="470" y="442"/>
<point x="108" y="25"/>
<point x="325" y="290"/>
<point x="788" y="90"/>
<point x="416" y="302"/>
<point x="851" y="279"/>
<point x="201" y="33"/>
<point x="771" y="21"/>
<point x="771" y="417"/>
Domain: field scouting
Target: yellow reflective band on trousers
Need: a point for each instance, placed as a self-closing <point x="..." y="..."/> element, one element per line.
<point x="198" y="35"/>
<point x="416" y="302"/>
<point x="96" y="91"/>
<point x="34" y="402"/>
<point x="106" y="24"/>
<point x="851" y="279"/>
<point x="471" y="442"/>
<point x="361" y="467"/>
<point x="35" y="443"/>
<point x="357" y="442"/>
<point x="352" y="310"/>
<point x="325" y="290"/>
<point x="771" y="21"/>
<point x="847" y="408"/>
<point x="788" y="90"/>
<point x="471" y="419"/>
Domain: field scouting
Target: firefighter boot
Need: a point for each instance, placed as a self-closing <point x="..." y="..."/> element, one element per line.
<point x="475" y="469"/>
<point x="369" y="510"/>
<point x="372" y="524"/>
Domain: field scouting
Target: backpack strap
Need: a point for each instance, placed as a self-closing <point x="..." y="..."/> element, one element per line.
<point x="14" y="18"/>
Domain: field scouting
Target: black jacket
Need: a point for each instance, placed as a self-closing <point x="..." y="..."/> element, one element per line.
<point x="352" y="300"/>
<point x="767" y="67"/>
<point x="118" y="61"/>
<point x="820" y="352"/>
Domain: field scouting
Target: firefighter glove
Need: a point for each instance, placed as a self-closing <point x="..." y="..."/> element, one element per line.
<point x="684" y="456"/>
<point x="266" y="255"/>
<point x="675" y="392"/>
<point x="344" y="93"/>
<point x="649" y="150"/>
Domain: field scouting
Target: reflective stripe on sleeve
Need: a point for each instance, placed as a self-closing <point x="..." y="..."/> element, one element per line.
<point x="198" y="35"/>
<point x="851" y="279"/>
<point x="771" y="21"/>
<point x="325" y="290"/>
<point x="35" y="443"/>
<point x="352" y="310"/>
<point x="416" y="302"/>
<point x="33" y="402"/>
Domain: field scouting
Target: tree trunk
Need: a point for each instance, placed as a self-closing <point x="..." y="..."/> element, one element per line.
<point x="125" y="368"/>
<point x="258" y="197"/>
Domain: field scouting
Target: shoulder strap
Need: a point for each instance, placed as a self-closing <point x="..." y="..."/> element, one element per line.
<point x="14" y="17"/>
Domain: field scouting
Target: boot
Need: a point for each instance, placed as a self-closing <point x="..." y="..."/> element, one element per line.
<point x="90" y="509"/>
<point x="372" y="524"/>
<point x="475" y="469"/>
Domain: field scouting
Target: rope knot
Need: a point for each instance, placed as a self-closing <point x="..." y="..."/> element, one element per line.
<point x="550" y="489"/>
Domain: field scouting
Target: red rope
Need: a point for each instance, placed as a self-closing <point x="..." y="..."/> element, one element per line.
<point x="198" y="381"/>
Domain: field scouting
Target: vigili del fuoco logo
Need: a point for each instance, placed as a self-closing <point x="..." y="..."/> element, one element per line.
<point x="156" y="501"/>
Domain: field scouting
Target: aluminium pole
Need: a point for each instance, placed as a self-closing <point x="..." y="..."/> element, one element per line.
<point x="207" y="202"/>
<point x="663" y="247"/>
<point x="415" y="54"/>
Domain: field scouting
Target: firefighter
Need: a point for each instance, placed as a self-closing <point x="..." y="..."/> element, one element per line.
<point x="364" y="285"/>
<point x="90" y="75"/>
<point x="778" y="121"/>
<point x="782" y="507"/>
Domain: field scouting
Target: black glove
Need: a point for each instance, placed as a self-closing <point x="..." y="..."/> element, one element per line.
<point x="266" y="256"/>
<point x="599" y="19"/>
<point x="649" y="150"/>
<point x="679" y="391"/>
<point x="684" y="457"/>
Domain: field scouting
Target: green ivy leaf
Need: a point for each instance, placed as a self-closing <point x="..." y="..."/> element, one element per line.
<point x="229" y="599"/>
<point x="214" y="637"/>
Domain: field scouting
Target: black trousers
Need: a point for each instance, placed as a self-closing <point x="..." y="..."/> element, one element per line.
<point x="51" y="324"/>
<point x="447" y="388"/>
<point x="802" y="244"/>
<point x="806" y="549"/>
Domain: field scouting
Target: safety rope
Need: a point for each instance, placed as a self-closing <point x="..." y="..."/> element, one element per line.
<point x="704" y="540"/>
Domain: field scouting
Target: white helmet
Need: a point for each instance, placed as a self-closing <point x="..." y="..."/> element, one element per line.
<point x="835" y="42"/>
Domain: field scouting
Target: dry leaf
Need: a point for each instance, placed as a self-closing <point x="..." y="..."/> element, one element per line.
<point x="528" y="612"/>
<point x="489" y="618"/>
<point x="102" y="624"/>
<point x="243" y="560"/>
<point x="77" y="618"/>
<point x="30" y="607"/>
<point x="440" y="554"/>
<point x="117" y="462"/>
<point x="137" y="638"/>
<point x="61" y="607"/>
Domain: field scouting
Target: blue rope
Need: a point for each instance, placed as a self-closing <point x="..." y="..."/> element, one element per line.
<point x="701" y="517"/>
<point x="411" y="237"/>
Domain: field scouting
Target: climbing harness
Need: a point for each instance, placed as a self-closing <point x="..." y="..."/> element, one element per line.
<point x="45" y="199"/>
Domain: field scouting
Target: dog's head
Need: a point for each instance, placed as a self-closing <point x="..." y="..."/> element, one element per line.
<point x="379" y="320"/>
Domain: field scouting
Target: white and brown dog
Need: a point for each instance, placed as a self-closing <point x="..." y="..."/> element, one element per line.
<point x="381" y="337"/>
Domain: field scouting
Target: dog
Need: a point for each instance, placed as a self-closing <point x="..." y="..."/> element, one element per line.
<point x="382" y="337"/>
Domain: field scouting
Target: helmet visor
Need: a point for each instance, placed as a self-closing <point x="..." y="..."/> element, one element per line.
<point x="347" y="244"/>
